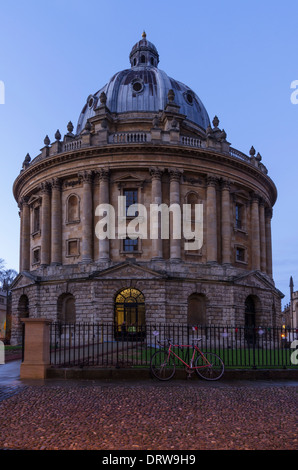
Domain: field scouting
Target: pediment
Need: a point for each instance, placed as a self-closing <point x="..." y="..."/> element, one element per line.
<point x="256" y="279"/>
<point x="129" y="178"/>
<point x="34" y="199"/>
<point x="127" y="271"/>
<point x="23" y="279"/>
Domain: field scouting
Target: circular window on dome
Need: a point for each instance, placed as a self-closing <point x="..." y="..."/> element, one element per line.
<point x="137" y="86"/>
<point x="188" y="96"/>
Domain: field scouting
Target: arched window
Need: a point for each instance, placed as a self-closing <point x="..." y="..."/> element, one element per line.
<point x="129" y="313"/>
<point x="143" y="59"/>
<point x="73" y="209"/>
<point x="196" y="313"/>
<point x="66" y="308"/>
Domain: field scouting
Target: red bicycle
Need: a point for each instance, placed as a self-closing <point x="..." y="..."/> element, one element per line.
<point x="208" y="365"/>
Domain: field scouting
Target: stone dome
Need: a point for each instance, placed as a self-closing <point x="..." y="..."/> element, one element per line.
<point x="144" y="88"/>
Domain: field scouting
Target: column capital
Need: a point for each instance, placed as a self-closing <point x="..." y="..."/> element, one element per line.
<point x="175" y="174"/>
<point x="212" y="180"/>
<point x="23" y="201"/>
<point x="45" y="187"/>
<point x="225" y="184"/>
<point x="86" y="176"/>
<point x="156" y="173"/>
<point x="103" y="174"/>
<point x="268" y="212"/>
<point x="56" y="183"/>
<point x="255" y="197"/>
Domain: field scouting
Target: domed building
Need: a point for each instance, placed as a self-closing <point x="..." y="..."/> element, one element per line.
<point x="145" y="138"/>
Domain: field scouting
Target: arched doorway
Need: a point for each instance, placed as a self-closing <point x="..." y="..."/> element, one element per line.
<point x="250" y="312"/>
<point x="250" y="319"/>
<point x="129" y="314"/>
<point x="66" y="308"/>
<point x="23" y="306"/>
<point x="196" y="309"/>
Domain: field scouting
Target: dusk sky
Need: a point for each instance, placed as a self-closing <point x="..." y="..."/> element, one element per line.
<point x="240" y="57"/>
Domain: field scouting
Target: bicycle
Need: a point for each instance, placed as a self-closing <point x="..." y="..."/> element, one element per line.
<point x="208" y="365"/>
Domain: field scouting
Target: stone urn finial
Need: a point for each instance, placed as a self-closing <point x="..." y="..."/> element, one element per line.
<point x="171" y="95"/>
<point x="57" y="135"/>
<point x="70" y="127"/>
<point x="26" y="161"/>
<point x="252" y="152"/>
<point x="88" y="126"/>
<point x="215" y="121"/>
<point x="103" y="98"/>
<point x="47" y="141"/>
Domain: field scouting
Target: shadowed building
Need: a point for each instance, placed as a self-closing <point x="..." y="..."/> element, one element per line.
<point x="147" y="137"/>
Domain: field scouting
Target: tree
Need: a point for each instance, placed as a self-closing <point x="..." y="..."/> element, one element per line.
<point x="6" y="278"/>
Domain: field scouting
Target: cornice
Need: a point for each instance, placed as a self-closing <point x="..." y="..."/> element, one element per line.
<point x="83" y="154"/>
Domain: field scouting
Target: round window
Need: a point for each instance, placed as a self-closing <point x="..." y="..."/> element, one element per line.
<point x="189" y="98"/>
<point x="137" y="86"/>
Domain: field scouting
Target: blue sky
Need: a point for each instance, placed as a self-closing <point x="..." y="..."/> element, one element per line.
<point x="240" y="57"/>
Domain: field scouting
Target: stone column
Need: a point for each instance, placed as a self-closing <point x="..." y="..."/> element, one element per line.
<point x="175" y="244"/>
<point x="263" y="262"/>
<point x="87" y="217"/>
<point x="255" y="233"/>
<point x="226" y="223"/>
<point x="36" y="348"/>
<point x="268" y="217"/>
<point x="104" y="198"/>
<point x="25" y="236"/>
<point x="45" y="225"/>
<point x="211" y="220"/>
<point x="56" y="224"/>
<point x="156" y="198"/>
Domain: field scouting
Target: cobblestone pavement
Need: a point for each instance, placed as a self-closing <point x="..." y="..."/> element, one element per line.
<point x="149" y="415"/>
<point x="9" y="391"/>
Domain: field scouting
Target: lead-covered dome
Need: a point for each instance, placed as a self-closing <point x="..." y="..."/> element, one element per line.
<point x="144" y="88"/>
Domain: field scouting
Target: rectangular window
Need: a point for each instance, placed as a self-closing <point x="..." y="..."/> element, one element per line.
<point x="36" y="256"/>
<point x="131" y="196"/>
<point x="240" y="254"/>
<point x="239" y="215"/>
<point x="130" y="245"/>
<point x="36" y="219"/>
<point x="72" y="248"/>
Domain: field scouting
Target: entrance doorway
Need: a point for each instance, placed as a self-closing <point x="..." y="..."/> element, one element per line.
<point x="250" y="320"/>
<point x="130" y="314"/>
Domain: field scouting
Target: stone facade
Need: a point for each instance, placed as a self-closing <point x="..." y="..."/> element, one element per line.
<point x="153" y="156"/>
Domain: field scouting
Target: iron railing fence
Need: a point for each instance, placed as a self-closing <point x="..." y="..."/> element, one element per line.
<point x="110" y="345"/>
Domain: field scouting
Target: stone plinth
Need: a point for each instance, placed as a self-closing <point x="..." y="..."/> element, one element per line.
<point x="36" y="348"/>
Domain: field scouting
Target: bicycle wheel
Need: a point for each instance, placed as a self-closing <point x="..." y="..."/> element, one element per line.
<point x="162" y="365"/>
<point x="211" y="366"/>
